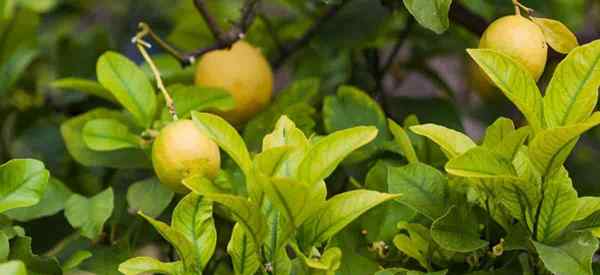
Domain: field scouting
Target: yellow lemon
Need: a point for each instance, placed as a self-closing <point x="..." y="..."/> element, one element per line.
<point x="244" y="72"/>
<point x="519" y="38"/>
<point x="181" y="150"/>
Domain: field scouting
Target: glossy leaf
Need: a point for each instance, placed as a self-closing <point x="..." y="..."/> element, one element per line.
<point x="285" y="134"/>
<point x="144" y="265"/>
<point x="586" y="206"/>
<point x="52" y="202"/>
<point x="557" y="35"/>
<point x="193" y="218"/>
<point x="497" y="132"/>
<point x="431" y="14"/>
<point x="72" y="133"/>
<point x="457" y="231"/>
<point x="90" y="214"/>
<point x="339" y="211"/>
<point x="244" y="211"/>
<point x="76" y="259"/>
<point x="452" y="142"/>
<point x="515" y="81"/>
<point x="296" y="200"/>
<point x="480" y="162"/>
<point x="243" y="252"/>
<point x="180" y="242"/>
<point x="570" y="257"/>
<point x="403" y="140"/>
<point x="197" y="98"/>
<point x="129" y="85"/>
<point x="12" y="68"/>
<point x="108" y="135"/>
<point x="228" y="139"/>
<point x="550" y="148"/>
<point x="351" y="107"/>
<point x="327" y="153"/>
<point x="21" y="250"/>
<point x="83" y="85"/>
<point x="149" y="196"/>
<point x="558" y="207"/>
<point x="22" y="183"/>
<point x="572" y="93"/>
<point x="423" y="188"/>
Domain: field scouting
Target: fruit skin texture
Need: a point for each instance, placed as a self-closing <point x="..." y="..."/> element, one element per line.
<point x="181" y="150"/>
<point x="244" y="72"/>
<point x="519" y="38"/>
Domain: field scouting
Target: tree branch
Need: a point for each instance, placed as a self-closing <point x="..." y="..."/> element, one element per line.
<point x="468" y="19"/>
<point x="209" y="19"/>
<point x="310" y="33"/>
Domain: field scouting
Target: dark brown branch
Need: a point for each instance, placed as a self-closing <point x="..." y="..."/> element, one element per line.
<point x="468" y="19"/>
<point x="398" y="45"/>
<point x="212" y="24"/>
<point x="308" y="35"/>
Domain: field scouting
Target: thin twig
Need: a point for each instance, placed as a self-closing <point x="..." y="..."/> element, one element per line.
<point x="398" y="45"/>
<point x="142" y="45"/>
<point x="309" y="34"/>
<point x="209" y="19"/>
<point x="468" y="19"/>
<point x="519" y="6"/>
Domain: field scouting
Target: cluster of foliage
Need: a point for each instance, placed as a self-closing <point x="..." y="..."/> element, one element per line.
<point x="325" y="179"/>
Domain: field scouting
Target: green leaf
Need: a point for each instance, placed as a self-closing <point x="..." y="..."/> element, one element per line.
<point x="573" y="257"/>
<point x="76" y="259"/>
<point x="417" y="244"/>
<point x="572" y="94"/>
<point x="339" y="211"/>
<point x="509" y="147"/>
<point x="352" y="107"/>
<point x="329" y="261"/>
<point x="21" y="250"/>
<point x="497" y="132"/>
<point x="129" y="85"/>
<point x="193" y="218"/>
<point x="424" y="188"/>
<point x="107" y="134"/>
<point x="515" y="81"/>
<point x="23" y="182"/>
<point x="295" y="102"/>
<point x="431" y="14"/>
<point x="13" y="268"/>
<point x="551" y="147"/>
<point x="285" y="134"/>
<point x="12" y="68"/>
<point x="296" y="200"/>
<point x="244" y="254"/>
<point x="586" y="206"/>
<point x="452" y="142"/>
<point x="52" y="202"/>
<point x="149" y="196"/>
<point x="457" y="230"/>
<point x="381" y="222"/>
<point x="228" y="139"/>
<point x="245" y="212"/>
<point x="180" y="242"/>
<point x="73" y="136"/>
<point x="403" y="140"/>
<point x="480" y="162"/>
<point x="90" y="214"/>
<point x="197" y="98"/>
<point x="328" y="152"/>
<point x="558" y="207"/>
<point x="557" y="35"/>
<point x="144" y="265"/>
<point x="83" y="85"/>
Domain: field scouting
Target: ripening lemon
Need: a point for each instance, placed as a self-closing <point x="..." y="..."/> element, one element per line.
<point x="181" y="150"/>
<point x="519" y="38"/>
<point x="244" y="72"/>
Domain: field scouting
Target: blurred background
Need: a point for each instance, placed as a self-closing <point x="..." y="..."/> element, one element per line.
<point x="429" y="75"/>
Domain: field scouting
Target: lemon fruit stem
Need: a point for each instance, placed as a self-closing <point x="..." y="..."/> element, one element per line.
<point x="519" y="6"/>
<point x="142" y="45"/>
